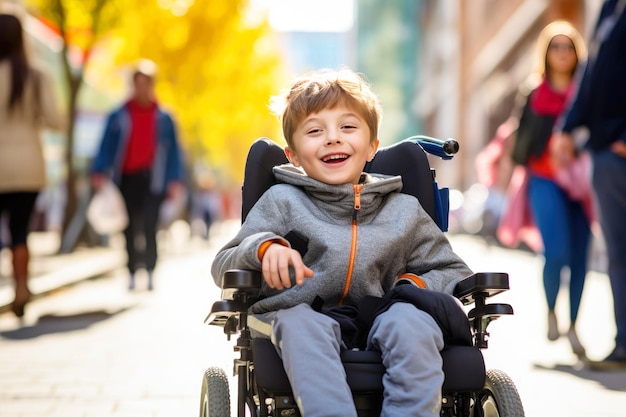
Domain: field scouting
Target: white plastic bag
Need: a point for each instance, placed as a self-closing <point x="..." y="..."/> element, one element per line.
<point x="106" y="211"/>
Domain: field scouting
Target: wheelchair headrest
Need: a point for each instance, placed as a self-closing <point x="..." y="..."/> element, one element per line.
<point x="406" y="158"/>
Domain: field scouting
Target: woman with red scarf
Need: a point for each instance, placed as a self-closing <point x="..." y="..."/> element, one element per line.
<point x="563" y="222"/>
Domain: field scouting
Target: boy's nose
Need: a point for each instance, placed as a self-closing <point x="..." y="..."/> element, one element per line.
<point x="333" y="137"/>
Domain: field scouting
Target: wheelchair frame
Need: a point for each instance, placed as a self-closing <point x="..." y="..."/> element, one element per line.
<point x="497" y="398"/>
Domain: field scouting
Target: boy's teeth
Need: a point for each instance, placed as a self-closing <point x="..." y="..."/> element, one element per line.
<point x="334" y="157"/>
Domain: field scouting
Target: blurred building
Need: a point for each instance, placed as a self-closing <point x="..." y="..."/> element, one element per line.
<point x="387" y="44"/>
<point x="375" y="37"/>
<point x="474" y="56"/>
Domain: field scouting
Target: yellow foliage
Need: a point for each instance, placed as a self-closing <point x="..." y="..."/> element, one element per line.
<point x="216" y="73"/>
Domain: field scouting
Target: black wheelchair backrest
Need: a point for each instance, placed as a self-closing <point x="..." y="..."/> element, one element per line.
<point x="406" y="158"/>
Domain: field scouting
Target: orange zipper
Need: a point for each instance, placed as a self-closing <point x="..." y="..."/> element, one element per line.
<point x="357" y="207"/>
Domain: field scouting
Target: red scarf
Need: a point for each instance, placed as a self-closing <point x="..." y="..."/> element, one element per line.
<point x="546" y="101"/>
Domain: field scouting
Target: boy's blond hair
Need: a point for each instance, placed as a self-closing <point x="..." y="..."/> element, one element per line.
<point x="325" y="89"/>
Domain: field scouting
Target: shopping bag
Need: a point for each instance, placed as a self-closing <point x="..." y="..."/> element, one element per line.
<point x="106" y="212"/>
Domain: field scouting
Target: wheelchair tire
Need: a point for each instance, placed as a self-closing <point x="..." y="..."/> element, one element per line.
<point x="499" y="397"/>
<point x="215" y="397"/>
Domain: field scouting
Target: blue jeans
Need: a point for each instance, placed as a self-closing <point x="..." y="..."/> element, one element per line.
<point x="565" y="232"/>
<point x="609" y="184"/>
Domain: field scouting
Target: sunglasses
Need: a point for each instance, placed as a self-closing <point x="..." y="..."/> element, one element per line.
<point x="561" y="46"/>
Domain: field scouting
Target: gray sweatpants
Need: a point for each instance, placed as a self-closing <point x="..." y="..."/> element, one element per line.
<point x="309" y="344"/>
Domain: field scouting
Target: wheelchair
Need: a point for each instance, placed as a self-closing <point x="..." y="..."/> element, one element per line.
<point x="263" y="390"/>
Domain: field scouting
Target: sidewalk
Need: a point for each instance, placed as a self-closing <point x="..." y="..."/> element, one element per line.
<point x="50" y="271"/>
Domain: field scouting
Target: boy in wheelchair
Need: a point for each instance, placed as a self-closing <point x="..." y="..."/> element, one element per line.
<point x="329" y="237"/>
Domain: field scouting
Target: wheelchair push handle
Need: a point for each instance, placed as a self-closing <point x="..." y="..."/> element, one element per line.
<point x="444" y="149"/>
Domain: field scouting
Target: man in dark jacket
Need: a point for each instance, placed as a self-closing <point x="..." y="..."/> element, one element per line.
<point x="600" y="106"/>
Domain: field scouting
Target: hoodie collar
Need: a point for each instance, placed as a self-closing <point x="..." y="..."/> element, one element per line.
<point x="375" y="188"/>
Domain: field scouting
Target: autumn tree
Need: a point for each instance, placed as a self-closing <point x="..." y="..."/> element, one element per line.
<point x="217" y="69"/>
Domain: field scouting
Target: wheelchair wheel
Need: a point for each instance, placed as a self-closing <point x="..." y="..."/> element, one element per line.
<point x="215" y="397"/>
<point x="500" y="398"/>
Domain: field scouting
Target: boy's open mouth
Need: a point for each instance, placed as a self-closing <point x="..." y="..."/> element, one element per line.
<point x="335" y="158"/>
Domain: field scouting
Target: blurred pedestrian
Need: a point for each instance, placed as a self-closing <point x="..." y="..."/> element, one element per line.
<point x="141" y="154"/>
<point x="562" y="219"/>
<point x="205" y="204"/>
<point x="494" y="169"/>
<point x="27" y="103"/>
<point x="600" y="106"/>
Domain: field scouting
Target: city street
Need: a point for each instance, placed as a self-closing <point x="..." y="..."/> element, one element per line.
<point x="95" y="349"/>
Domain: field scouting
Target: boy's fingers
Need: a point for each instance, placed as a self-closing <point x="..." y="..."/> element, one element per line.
<point x="275" y="268"/>
<point x="298" y="269"/>
<point x="283" y="273"/>
<point x="306" y="272"/>
<point x="270" y="272"/>
<point x="302" y="272"/>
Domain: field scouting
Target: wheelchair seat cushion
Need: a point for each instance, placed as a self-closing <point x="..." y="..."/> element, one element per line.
<point x="463" y="367"/>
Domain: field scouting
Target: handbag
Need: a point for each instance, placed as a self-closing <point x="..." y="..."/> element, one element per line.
<point x="532" y="135"/>
<point x="523" y="138"/>
<point x="575" y="180"/>
<point x="516" y="224"/>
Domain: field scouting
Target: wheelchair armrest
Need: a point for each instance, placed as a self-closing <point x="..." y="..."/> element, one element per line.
<point x="481" y="285"/>
<point x="239" y="288"/>
<point x="476" y="289"/>
<point x="492" y="311"/>
<point x="241" y="281"/>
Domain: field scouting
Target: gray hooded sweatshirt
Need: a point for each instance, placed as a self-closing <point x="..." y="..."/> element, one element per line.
<point x="362" y="239"/>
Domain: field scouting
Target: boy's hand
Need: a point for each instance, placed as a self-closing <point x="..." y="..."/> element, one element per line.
<point x="275" y="266"/>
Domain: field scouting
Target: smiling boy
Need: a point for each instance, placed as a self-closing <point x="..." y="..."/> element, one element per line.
<point x="364" y="237"/>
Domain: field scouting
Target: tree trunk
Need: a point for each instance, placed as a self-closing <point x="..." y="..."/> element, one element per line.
<point x="76" y="229"/>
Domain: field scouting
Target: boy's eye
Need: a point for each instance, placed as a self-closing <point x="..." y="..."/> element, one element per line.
<point x="348" y="127"/>
<point x="313" y="131"/>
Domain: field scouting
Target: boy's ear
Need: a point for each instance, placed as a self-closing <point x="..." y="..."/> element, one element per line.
<point x="373" y="150"/>
<point x="292" y="156"/>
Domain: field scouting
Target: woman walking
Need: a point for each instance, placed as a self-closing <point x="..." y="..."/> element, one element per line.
<point x="562" y="220"/>
<point x="26" y="104"/>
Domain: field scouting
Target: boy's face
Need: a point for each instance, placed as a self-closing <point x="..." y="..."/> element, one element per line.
<point x="332" y="145"/>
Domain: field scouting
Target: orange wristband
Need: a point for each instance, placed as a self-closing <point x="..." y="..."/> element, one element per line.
<point x="414" y="279"/>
